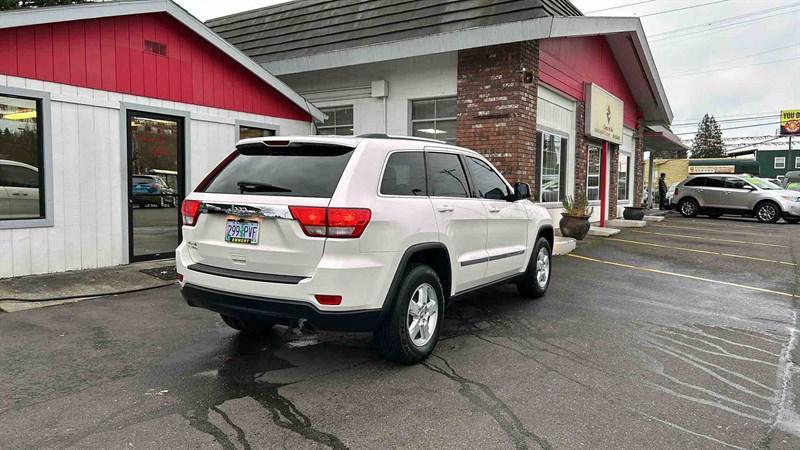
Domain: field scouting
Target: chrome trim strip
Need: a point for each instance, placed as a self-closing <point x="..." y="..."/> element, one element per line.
<point x="245" y="211"/>
<point x="491" y="258"/>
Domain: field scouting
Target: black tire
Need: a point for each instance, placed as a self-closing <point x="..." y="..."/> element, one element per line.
<point x="767" y="212"/>
<point x="531" y="286"/>
<point x="393" y="338"/>
<point x="792" y="220"/>
<point x="688" y="207"/>
<point x="247" y="326"/>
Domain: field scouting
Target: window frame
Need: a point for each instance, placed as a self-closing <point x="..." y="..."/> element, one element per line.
<point x="797" y="162"/>
<point x="782" y="159"/>
<point x="258" y="125"/>
<point x="337" y="125"/>
<point x="44" y="131"/>
<point x="474" y="189"/>
<point x="412" y="121"/>
<point x="628" y="170"/>
<point x="386" y="164"/>
<point x="563" y="170"/>
<point x="599" y="149"/>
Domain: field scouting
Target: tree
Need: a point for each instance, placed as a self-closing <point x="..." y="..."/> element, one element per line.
<point x="708" y="140"/>
<point x="18" y="4"/>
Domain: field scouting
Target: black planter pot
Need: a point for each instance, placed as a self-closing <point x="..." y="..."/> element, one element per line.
<point x="633" y="213"/>
<point x="574" y="226"/>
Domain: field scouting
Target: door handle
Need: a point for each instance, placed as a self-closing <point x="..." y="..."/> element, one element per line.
<point x="19" y="194"/>
<point x="445" y="208"/>
<point x="494" y="209"/>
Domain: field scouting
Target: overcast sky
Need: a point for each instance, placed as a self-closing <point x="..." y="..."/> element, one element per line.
<point x="726" y="34"/>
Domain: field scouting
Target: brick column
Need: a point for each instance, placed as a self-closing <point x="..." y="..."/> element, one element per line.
<point x="496" y="110"/>
<point x="581" y="148"/>
<point x="613" y="180"/>
<point x="638" y="172"/>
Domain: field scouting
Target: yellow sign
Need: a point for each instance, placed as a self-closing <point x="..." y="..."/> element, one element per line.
<point x="790" y="122"/>
<point x="693" y="170"/>
<point x="604" y="114"/>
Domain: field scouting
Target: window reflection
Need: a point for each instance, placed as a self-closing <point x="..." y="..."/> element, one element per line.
<point x="21" y="187"/>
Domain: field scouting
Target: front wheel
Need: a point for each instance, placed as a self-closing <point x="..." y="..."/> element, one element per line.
<point x="767" y="212"/>
<point x="246" y="325"/>
<point x="536" y="280"/>
<point x="410" y="331"/>
<point x="689" y="207"/>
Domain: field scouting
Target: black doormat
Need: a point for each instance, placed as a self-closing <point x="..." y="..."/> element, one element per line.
<point x="166" y="273"/>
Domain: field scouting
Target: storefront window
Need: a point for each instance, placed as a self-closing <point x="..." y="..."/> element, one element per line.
<point x="780" y="162"/>
<point x="434" y="119"/>
<point x="21" y="168"/>
<point x="254" y="132"/>
<point x="552" y="175"/>
<point x="339" y="121"/>
<point x="593" y="174"/>
<point x="623" y="181"/>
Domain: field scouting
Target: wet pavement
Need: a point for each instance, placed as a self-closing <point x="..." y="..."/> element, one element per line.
<point x="679" y="335"/>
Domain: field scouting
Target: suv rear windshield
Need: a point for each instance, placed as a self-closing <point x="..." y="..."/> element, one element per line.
<point x="294" y="171"/>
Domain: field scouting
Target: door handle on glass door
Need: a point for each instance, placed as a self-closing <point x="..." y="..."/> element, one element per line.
<point x="445" y="208"/>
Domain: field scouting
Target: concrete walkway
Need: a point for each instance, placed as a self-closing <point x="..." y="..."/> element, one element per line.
<point x="21" y="293"/>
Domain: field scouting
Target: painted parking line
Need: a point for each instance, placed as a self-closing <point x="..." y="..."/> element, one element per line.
<point x="706" y="252"/>
<point x="714" y="223"/>
<point x="707" y="229"/>
<point x="731" y="241"/>
<point x="681" y="275"/>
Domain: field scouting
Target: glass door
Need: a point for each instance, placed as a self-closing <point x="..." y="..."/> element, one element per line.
<point x="155" y="184"/>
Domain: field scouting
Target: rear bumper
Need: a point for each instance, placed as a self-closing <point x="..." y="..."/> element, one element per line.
<point x="281" y="311"/>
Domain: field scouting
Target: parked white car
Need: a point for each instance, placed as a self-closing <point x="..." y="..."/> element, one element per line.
<point x="357" y="233"/>
<point x="19" y="190"/>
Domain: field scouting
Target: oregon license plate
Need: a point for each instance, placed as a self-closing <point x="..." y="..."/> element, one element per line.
<point x="241" y="232"/>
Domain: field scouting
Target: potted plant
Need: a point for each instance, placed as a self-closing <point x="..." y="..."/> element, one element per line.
<point x="633" y="213"/>
<point x="575" y="218"/>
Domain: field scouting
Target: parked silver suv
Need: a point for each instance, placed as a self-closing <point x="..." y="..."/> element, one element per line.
<point x="715" y="195"/>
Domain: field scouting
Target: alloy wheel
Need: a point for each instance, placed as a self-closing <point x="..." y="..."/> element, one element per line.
<point x="767" y="213"/>
<point x="542" y="267"/>
<point x="423" y="314"/>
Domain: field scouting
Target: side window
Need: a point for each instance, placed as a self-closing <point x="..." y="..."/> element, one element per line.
<point x="446" y="177"/>
<point x="404" y="174"/>
<point x="734" y="183"/>
<point x="488" y="183"/>
<point x="715" y="182"/>
<point x="696" y="182"/>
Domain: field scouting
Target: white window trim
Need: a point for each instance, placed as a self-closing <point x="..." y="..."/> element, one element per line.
<point x="589" y="147"/>
<point x="46" y="163"/>
<point x="412" y="120"/>
<point x="562" y="166"/>
<point x="566" y="130"/>
<point x="779" y="160"/>
<point x="797" y="162"/>
<point x="332" y="127"/>
<point x="259" y="125"/>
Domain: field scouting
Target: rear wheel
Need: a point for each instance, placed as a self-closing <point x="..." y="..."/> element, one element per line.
<point x="537" y="277"/>
<point x="689" y="207"/>
<point x="767" y="212"/>
<point x="410" y="331"/>
<point x="247" y="325"/>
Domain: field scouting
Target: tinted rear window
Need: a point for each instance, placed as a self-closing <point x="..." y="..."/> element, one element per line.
<point x="295" y="171"/>
<point x="701" y="181"/>
<point x="404" y="174"/>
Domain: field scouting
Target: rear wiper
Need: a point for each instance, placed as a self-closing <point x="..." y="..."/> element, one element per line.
<point x="247" y="186"/>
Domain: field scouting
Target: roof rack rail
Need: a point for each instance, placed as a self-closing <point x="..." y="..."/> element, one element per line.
<point x="389" y="136"/>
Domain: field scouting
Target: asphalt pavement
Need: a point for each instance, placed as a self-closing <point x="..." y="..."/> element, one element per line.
<point x="682" y="334"/>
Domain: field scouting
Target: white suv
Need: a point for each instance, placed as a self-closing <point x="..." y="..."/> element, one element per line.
<point x="370" y="233"/>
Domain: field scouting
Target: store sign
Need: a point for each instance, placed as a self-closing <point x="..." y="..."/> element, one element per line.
<point x="604" y="114"/>
<point x="790" y="122"/>
<point x="694" y="170"/>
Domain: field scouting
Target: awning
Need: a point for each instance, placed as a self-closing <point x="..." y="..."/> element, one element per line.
<point x="663" y="142"/>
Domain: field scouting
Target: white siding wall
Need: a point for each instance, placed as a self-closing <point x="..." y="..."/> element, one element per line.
<point x="89" y="175"/>
<point x="556" y="113"/>
<point x="432" y="76"/>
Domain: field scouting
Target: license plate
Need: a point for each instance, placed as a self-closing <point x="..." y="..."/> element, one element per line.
<point x="241" y="232"/>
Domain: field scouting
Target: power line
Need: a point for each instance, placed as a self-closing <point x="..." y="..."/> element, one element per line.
<point x="620" y="6"/>
<point x="684" y="8"/>
<point x="752" y="144"/>
<point x="726" y="19"/>
<point x="743" y="115"/>
<point x="744" y="119"/>
<point x="734" y="128"/>
<point x="775" y="61"/>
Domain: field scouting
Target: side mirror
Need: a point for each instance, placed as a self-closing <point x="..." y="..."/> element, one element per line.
<point x="521" y="191"/>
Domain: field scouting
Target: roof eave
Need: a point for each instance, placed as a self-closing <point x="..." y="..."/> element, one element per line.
<point x="55" y="14"/>
<point x="540" y="28"/>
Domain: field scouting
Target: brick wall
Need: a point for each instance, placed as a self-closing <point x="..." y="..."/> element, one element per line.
<point x="581" y="148"/>
<point x="496" y="111"/>
<point x="613" y="179"/>
<point x="640" y="176"/>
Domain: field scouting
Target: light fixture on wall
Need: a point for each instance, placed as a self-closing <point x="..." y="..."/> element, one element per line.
<point x="526" y="76"/>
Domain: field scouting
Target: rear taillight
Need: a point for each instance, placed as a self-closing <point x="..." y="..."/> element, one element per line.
<point x="330" y="300"/>
<point x="675" y="194"/>
<point x="331" y="222"/>
<point x="190" y="210"/>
